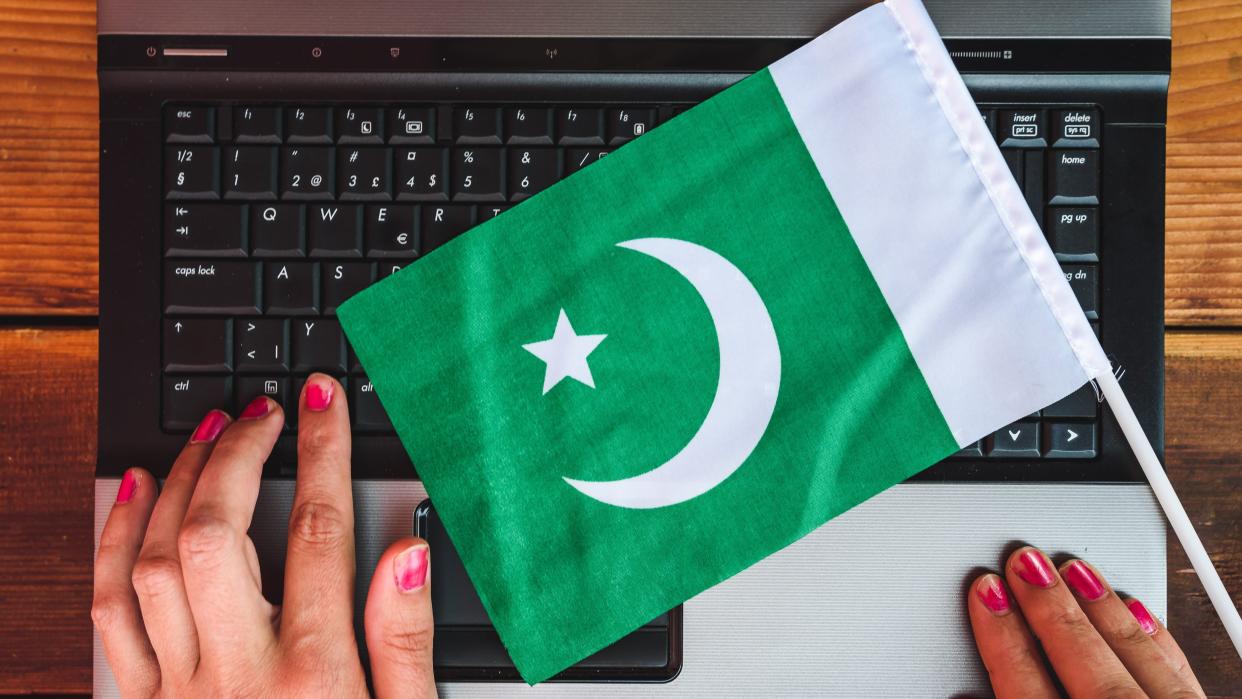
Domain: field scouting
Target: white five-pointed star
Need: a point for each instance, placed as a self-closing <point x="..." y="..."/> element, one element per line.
<point x="565" y="354"/>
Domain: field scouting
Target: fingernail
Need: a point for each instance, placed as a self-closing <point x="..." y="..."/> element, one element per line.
<point x="1034" y="569"/>
<point x="1083" y="581"/>
<point x="992" y="593"/>
<point x="318" y="395"/>
<point x="1146" y="621"/>
<point x="257" y="408"/>
<point x="410" y="568"/>
<point x="129" y="486"/>
<point x="211" y="427"/>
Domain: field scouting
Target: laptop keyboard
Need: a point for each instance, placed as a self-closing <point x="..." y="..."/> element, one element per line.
<point x="275" y="215"/>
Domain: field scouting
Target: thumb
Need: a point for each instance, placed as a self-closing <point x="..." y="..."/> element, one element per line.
<point x="398" y="622"/>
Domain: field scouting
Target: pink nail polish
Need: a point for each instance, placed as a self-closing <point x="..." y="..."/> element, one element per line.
<point x="1034" y="569"/>
<point x="1083" y="581"/>
<point x="993" y="595"/>
<point x="1146" y="621"/>
<point x="256" y="409"/>
<point x="410" y="568"/>
<point x="318" y="395"/>
<point x="211" y="427"/>
<point x="129" y="486"/>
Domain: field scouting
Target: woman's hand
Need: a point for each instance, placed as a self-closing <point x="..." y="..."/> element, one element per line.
<point x="1098" y="644"/>
<point x="178" y="599"/>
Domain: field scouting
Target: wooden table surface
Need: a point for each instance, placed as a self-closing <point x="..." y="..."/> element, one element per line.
<point x="49" y="294"/>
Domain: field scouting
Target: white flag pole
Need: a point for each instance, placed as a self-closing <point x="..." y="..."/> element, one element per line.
<point x="1173" y="509"/>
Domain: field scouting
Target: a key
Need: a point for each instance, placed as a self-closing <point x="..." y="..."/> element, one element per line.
<point x="441" y="224"/>
<point x="277" y="230"/>
<point x="477" y="125"/>
<point x="187" y="399"/>
<point x="478" y="174"/>
<point x="299" y="383"/>
<point x="391" y="231"/>
<point x="344" y="279"/>
<point x="308" y="125"/>
<point x="1074" y="234"/>
<point x="578" y="158"/>
<point x="334" y="230"/>
<point x="198" y="345"/>
<point x="529" y="126"/>
<point x="487" y="212"/>
<point x="1075" y="177"/>
<point x="1076" y="128"/>
<point x="970" y="451"/>
<point x="362" y="173"/>
<point x="422" y="174"/>
<point x="625" y="125"/>
<point x="369" y="415"/>
<point x="204" y="230"/>
<point x="274" y="387"/>
<point x="1080" y="403"/>
<point x="387" y="269"/>
<point x="1084" y="281"/>
<point x="215" y="287"/>
<point x="190" y="172"/>
<point x="359" y="125"/>
<point x="1070" y="440"/>
<point x="1020" y="439"/>
<point x="318" y="345"/>
<point x="306" y="173"/>
<point x="1021" y="128"/>
<point x="292" y="288"/>
<point x="411" y="125"/>
<point x="250" y="172"/>
<point x="581" y="127"/>
<point x="531" y="170"/>
<point x="989" y="120"/>
<point x="1013" y="158"/>
<point x="1033" y="184"/>
<point x="189" y="124"/>
<point x="256" y="124"/>
<point x="262" y="345"/>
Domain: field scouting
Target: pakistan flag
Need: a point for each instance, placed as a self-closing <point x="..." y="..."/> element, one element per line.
<point x="689" y="355"/>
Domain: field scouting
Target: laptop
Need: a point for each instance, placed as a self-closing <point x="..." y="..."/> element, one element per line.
<point x="260" y="163"/>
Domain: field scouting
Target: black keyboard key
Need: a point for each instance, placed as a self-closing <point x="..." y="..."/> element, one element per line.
<point x="1075" y="177"/>
<point x="529" y="126"/>
<point x="387" y="269"/>
<point x="531" y="170"/>
<point x="1084" y="280"/>
<point x="198" y="345"/>
<point x="1021" y="439"/>
<point x="189" y="124"/>
<point x="318" y="345"/>
<point x="277" y="230"/>
<point x="441" y="224"/>
<point x="363" y="173"/>
<point x="487" y="212"/>
<point x="1033" y="184"/>
<point x="970" y="451"/>
<point x="1076" y="128"/>
<point x="477" y="125"/>
<point x="411" y="125"/>
<point x="187" y="399"/>
<point x="191" y="172"/>
<point x="581" y="127"/>
<point x="478" y="174"/>
<point x="198" y="230"/>
<point x="1021" y="128"/>
<point x="369" y="415"/>
<point x="274" y="387"/>
<point x="308" y="125"/>
<point x="295" y="396"/>
<point x="359" y="125"/>
<point x="1070" y="440"/>
<point x="344" y="279"/>
<point x="262" y="345"/>
<point x="256" y="124"/>
<point x="989" y="121"/>
<point x="625" y="125"/>
<point x="392" y="231"/>
<point x="1080" y="403"/>
<point x="250" y="172"/>
<point x="578" y="158"/>
<point x="335" y="230"/>
<point x="216" y="287"/>
<point x="1074" y="234"/>
<point x="306" y="173"/>
<point x="1013" y="158"/>
<point x="422" y="174"/>
<point x="292" y="288"/>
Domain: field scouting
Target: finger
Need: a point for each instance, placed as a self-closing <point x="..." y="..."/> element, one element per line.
<point x="157" y="573"/>
<point x="319" y="565"/>
<point x="229" y="611"/>
<point x="1083" y="662"/>
<point x="1009" y="652"/>
<point x="115" y="607"/>
<point x="399" y="626"/>
<point x="1147" y="662"/>
<point x="1152" y="627"/>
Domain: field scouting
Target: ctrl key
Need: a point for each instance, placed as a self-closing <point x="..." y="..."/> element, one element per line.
<point x="188" y="398"/>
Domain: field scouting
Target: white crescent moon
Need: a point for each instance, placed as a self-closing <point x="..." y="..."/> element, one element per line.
<point x="750" y="377"/>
